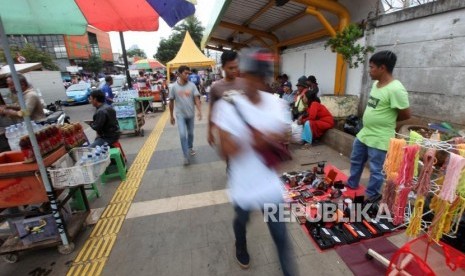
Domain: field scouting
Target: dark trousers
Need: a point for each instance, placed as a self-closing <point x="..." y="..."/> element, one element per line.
<point x="278" y="232"/>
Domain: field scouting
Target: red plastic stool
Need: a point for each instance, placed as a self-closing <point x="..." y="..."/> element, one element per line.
<point x="118" y="145"/>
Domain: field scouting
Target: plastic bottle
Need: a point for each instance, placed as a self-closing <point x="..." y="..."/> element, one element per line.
<point x="90" y="158"/>
<point x="10" y="135"/>
<point x="104" y="154"/>
<point x="98" y="157"/>
<point x="82" y="161"/>
<point x="15" y="138"/>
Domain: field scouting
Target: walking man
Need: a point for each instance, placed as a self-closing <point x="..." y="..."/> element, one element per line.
<point x="183" y="95"/>
<point x="388" y="103"/>
<point x="230" y="66"/>
<point x="246" y="121"/>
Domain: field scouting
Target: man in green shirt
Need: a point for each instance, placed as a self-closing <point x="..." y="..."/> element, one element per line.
<point x="388" y="103"/>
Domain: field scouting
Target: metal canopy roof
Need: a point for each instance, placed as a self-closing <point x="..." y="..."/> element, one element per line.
<point x="242" y="23"/>
<point x="285" y="23"/>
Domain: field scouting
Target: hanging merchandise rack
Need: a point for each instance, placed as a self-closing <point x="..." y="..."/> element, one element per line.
<point x="428" y="201"/>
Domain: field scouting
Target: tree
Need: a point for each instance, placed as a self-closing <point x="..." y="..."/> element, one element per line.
<point x="195" y="28"/>
<point x="136" y="52"/>
<point x="32" y="54"/>
<point x="345" y="43"/>
<point x="94" y="64"/>
<point x="168" y="48"/>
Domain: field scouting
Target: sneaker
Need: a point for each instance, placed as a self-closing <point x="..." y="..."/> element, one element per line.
<point x="242" y="256"/>
<point x="186" y="161"/>
<point x="192" y="152"/>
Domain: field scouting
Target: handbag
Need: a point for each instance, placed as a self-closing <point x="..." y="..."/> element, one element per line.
<point x="273" y="153"/>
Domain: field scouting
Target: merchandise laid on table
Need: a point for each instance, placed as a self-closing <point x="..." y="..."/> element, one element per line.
<point x="329" y="212"/>
<point x="129" y="112"/>
<point x="24" y="202"/>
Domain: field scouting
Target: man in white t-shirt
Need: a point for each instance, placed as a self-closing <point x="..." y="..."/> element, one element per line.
<point x="251" y="183"/>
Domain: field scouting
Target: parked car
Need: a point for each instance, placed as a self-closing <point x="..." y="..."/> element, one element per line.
<point x="78" y="93"/>
<point x="119" y="84"/>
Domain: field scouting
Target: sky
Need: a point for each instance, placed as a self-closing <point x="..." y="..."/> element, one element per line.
<point x="148" y="41"/>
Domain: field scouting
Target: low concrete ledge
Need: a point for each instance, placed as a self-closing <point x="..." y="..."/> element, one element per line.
<point x="339" y="140"/>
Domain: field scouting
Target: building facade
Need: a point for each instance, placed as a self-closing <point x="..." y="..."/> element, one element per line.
<point x="70" y="50"/>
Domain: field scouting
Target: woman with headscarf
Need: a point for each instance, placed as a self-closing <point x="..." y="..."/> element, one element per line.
<point x="317" y="120"/>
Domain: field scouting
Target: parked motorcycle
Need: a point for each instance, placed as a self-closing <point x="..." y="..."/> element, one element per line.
<point x="54" y="115"/>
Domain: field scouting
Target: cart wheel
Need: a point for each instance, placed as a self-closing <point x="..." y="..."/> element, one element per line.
<point x="11" y="258"/>
<point x="66" y="249"/>
<point x="368" y="256"/>
<point x="141" y="132"/>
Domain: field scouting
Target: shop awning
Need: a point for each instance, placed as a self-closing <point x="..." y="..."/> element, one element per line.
<point x="21" y="68"/>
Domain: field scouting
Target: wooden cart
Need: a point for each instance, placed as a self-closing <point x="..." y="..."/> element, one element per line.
<point x="22" y="186"/>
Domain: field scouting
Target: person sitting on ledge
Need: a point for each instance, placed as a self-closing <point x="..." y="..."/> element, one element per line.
<point x="316" y="121"/>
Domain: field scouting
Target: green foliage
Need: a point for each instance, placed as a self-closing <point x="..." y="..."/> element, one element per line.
<point x="94" y="64"/>
<point x="169" y="47"/>
<point x="136" y="53"/>
<point x="344" y="43"/>
<point x="32" y="55"/>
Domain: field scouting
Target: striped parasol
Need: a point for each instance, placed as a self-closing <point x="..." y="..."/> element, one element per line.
<point x="148" y="63"/>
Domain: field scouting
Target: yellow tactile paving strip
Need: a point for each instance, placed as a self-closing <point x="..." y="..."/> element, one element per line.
<point x="94" y="254"/>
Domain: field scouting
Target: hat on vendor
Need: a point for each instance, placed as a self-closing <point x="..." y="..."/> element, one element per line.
<point x="288" y="84"/>
<point x="302" y="81"/>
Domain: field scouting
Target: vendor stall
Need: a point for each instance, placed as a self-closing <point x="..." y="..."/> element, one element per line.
<point x="425" y="192"/>
<point x="424" y="195"/>
<point x="34" y="221"/>
<point x="155" y="98"/>
<point x="129" y="112"/>
<point x="326" y="208"/>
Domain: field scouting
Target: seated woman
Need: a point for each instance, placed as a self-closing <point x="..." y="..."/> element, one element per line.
<point x="317" y="119"/>
<point x="312" y="85"/>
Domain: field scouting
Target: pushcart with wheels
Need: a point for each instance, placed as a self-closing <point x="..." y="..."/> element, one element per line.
<point x="158" y="98"/>
<point x="28" y="208"/>
<point x="131" y="117"/>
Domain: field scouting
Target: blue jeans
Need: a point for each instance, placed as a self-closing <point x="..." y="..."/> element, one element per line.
<point x="362" y="153"/>
<point x="278" y="232"/>
<point x="186" y="133"/>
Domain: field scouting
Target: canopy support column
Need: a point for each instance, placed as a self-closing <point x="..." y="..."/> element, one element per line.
<point x="125" y="58"/>
<point x="343" y="14"/>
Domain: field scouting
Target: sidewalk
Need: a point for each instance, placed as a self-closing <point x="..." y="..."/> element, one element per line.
<point x="180" y="222"/>
<point x="180" y="219"/>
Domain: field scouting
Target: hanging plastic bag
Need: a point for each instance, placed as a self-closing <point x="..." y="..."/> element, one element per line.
<point x="296" y="136"/>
